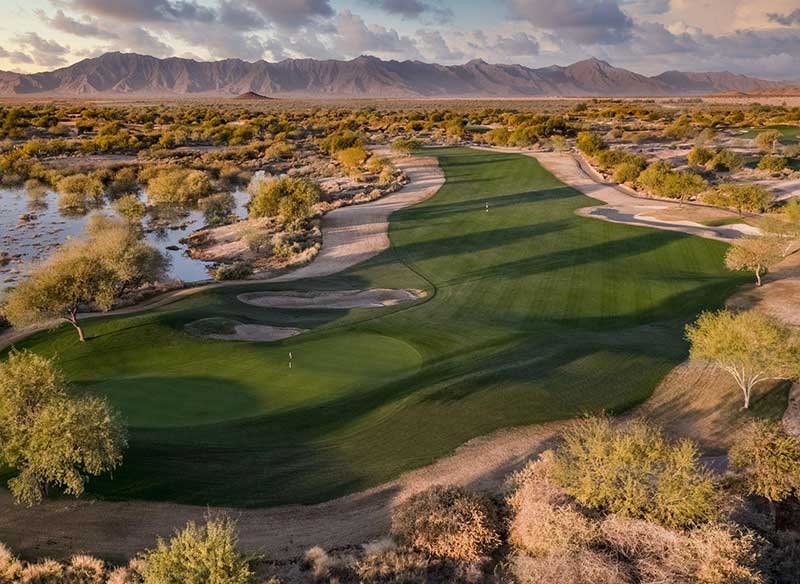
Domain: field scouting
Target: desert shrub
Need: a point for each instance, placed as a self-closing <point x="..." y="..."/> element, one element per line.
<point x="124" y="181"/>
<point x="769" y="457"/>
<point x="405" y="146"/>
<point x="767" y="141"/>
<point x="635" y="472"/>
<point x="218" y="209"/>
<point x="497" y="137"/>
<point x="448" y="522"/>
<point x="83" y="569"/>
<point x="772" y="163"/>
<point x="385" y="562"/>
<point x="279" y="151"/>
<point x="130" y="207"/>
<point x="79" y="191"/>
<point x="291" y="199"/>
<point x="626" y="172"/>
<point x="725" y="161"/>
<point x="589" y="143"/>
<point x="662" y="181"/>
<point x="198" y="555"/>
<point x="582" y="567"/>
<point x="700" y="156"/>
<point x="10" y="567"/>
<point x="352" y="158"/>
<point x="751" y="197"/>
<point x="44" y="572"/>
<point x="712" y="554"/>
<point x="235" y="271"/>
<point x="178" y="186"/>
<point x="333" y="143"/>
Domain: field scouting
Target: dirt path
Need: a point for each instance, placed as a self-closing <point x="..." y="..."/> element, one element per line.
<point x="350" y="235"/>
<point x="621" y="206"/>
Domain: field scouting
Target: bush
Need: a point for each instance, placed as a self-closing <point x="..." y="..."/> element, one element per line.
<point x="635" y="472"/>
<point x="405" y="146"/>
<point x="79" y="192"/>
<point x="178" y="186"/>
<point x="448" y="522"/>
<point x="235" y="271"/>
<point x="662" y="181"/>
<point x="130" y="207"/>
<point x="218" y="209"/>
<point x="626" y="172"/>
<point x="291" y="199"/>
<point x="352" y="158"/>
<point x="583" y="567"/>
<point x="341" y="141"/>
<point x="725" y="161"/>
<point x="198" y="555"/>
<point x="752" y="197"/>
<point x="590" y="144"/>
<point x="772" y="163"/>
<point x="700" y="156"/>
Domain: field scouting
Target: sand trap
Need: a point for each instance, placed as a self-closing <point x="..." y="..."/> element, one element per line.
<point x="335" y="299"/>
<point x="224" y="329"/>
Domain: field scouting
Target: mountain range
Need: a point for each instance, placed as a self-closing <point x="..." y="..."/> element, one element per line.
<point x="128" y="74"/>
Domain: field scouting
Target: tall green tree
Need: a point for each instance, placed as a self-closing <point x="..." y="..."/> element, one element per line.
<point x="49" y="435"/>
<point x="751" y="346"/>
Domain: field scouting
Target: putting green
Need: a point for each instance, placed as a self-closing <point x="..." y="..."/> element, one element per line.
<point x="789" y="134"/>
<point x="532" y="314"/>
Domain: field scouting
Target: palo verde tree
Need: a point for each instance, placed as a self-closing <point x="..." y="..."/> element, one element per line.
<point x="749" y="345"/>
<point x="111" y="260"/>
<point x="50" y="435"/>
<point x="758" y="254"/>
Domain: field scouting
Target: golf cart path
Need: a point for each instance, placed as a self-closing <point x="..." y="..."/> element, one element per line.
<point x="350" y="235"/>
<point x="621" y="206"/>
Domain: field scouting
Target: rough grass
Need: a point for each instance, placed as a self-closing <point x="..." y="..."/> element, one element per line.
<point x="532" y="314"/>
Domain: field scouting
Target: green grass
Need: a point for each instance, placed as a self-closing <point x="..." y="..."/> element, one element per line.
<point x="724" y="221"/>
<point x="789" y="134"/>
<point x="533" y="314"/>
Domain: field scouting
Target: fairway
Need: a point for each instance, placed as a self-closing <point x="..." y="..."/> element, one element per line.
<point x="532" y="314"/>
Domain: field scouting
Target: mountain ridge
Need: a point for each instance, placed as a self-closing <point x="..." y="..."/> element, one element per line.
<point x="131" y="74"/>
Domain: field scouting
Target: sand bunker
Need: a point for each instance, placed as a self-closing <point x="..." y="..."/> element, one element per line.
<point x="224" y="329"/>
<point x="334" y="299"/>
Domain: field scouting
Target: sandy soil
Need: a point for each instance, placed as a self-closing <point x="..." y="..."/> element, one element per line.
<point x="259" y="333"/>
<point x="340" y="300"/>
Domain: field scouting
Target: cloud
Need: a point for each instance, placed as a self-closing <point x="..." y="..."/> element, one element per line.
<point x="435" y="46"/>
<point x="147" y="10"/>
<point x="518" y="43"/>
<point x="585" y="22"/>
<point x="293" y="13"/>
<point x="140" y="40"/>
<point x="785" y="19"/>
<point x="354" y="37"/>
<point x="413" y="9"/>
<point x="238" y="16"/>
<point x="45" y="52"/>
<point x="649" y="7"/>
<point x="84" y="28"/>
<point x="16" y="57"/>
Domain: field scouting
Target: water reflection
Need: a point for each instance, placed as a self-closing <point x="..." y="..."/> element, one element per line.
<point x="32" y="226"/>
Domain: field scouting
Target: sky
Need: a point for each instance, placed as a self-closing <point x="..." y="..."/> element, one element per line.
<point x="759" y="38"/>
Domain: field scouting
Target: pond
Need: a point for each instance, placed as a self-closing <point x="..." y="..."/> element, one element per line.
<point x="32" y="226"/>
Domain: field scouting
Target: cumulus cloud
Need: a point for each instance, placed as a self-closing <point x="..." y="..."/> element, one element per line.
<point x="86" y="27"/>
<point x="16" y="57"/>
<point x="785" y="19"/>
<point x="293" y="13"/>
<point x="582" y="21"/>
<point x="436" y="47"/>
<point x="518" y="43"/>
<point x="354" y="37"/>
<point x="147" y="10"/>
<point x="45" y="52"/>
<point x="413" y="9"/>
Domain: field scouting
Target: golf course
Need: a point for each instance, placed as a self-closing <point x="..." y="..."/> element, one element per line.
<point x="530" y="313"/>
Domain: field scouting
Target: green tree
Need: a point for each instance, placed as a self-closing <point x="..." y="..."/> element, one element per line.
<point x="50" y="436"/>
<point x="94" y="271"/>
<point x="206" y="554"/>
<point x="749" y="345"/>
<point x="758" y="254"/>
<point x="291" y="199"/>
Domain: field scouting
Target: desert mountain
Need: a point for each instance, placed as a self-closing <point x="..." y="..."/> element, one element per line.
<point x="141" y="75"/>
